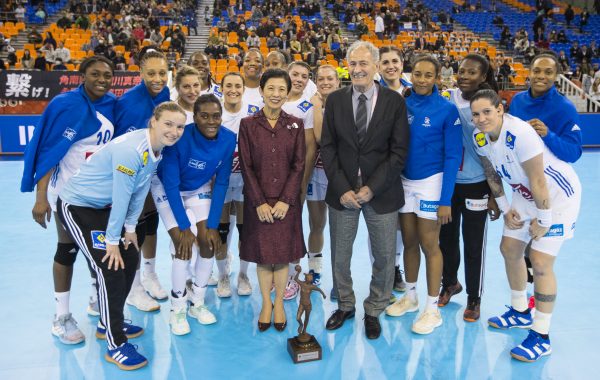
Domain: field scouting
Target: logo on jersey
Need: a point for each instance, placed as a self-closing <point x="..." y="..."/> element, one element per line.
<point x="411" y="118"/>
<point x="555" y="230"/>
<point x="457" y="122"/>
<point x="206" y="195"/>
<point x="573" y="227"/>
<point x="161" y="198"/>
<point x="429" y="206"/>
<point x="252" y="109"/>
<point x="446" y="94"/>
<point x="69" y="134"/>
<point x="126" y="170"/>
<point x="145" y="158"/>
<point x="480" y="139"/>
<point x="309" y="191"/>
<point x="130" y="129"/>
<point x="217" y="92"/>
<point x="197" y="164"/>
<point x="525" y="192"/>
<point x="575" y="128"/>
<point x="510" y="140"/>
<point x="427" y="122"/>
<point x="476" y="204"/>
<point x="305" y="106"/>
<point x="98" y="240"/>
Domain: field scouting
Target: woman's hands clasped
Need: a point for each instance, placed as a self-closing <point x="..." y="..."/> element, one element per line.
<point x="269" y="214"/>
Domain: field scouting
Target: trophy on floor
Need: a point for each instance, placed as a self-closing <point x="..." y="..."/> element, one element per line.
<point x="304" y="347"/>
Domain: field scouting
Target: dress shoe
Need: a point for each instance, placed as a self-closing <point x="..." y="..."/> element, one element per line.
<point x="262" y="327"/>
<point x="337" y="319"/>
<point x="447" y="293"/>
<point x="372" y="327"/>
<point x="280" y="326"/>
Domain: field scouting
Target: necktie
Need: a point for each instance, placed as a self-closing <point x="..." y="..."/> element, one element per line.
<point x="361" y="118"/>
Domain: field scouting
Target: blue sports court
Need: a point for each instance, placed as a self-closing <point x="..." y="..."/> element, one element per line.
<point x="233" y="348"/>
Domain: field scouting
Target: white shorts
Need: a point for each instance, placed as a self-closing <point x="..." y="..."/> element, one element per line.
<point x="52" y="199"/>
<point x="316" y="191"/>
<point x="422" y="196"/>
<point x="564" y="216"/>
<point x="198" y="202"/>
<point x="234" y="194"/>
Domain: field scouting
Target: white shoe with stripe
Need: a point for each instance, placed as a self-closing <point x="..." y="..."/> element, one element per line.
<point x="532" y="348"/>
<point x="512" y="318"/>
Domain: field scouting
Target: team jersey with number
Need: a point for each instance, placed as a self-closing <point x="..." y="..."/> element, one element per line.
<point x="517" y="143"/>
<point x="470" y="170"/>
<point x="231" y="121"/>
<point x="302" y="109"/>
<point x="78" y="153"/>
<point x="117" y="175"/>
<point x="253" y="98"/>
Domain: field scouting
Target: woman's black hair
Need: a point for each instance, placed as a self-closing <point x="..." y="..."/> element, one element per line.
<point x="275" y="73"/>
<point x="550" y="55"/>
<point x="488" y="94"/>
<point x="427" y="58"/>
<point x="486" y="68"/>
<point x="94" y="59"/>
<point x="206" y="99"/>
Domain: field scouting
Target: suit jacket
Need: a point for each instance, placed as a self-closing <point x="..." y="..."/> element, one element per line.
<point x="381" y="157"/>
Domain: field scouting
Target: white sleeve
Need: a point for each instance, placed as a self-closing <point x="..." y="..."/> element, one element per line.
<point x="528" y="144"/>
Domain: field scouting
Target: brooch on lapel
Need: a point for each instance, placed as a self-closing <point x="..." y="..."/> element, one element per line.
<point x="293" y="126"/>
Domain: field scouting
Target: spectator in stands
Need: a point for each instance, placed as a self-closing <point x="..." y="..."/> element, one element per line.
<point x="583" y="19"/>
<point x="20" y="13"/>
<point x="82" y="22"/>
<point x="543" y="43"/>
<point x="120" y="62"/>
<point x="156" y="37"/>
<point x="504" y="73"/>
<point x="64" y="21"/>
<point x="586" y="67"/>
<point x="439" y="43"/>
<point x="577" y="76"/>
<point x="222" y="25"/>
<point x="447" y="74"/>
<point x="48" y="51"/>
<point x="34" y="37"/>
<point x="333" y="41"/>
<point x="569" y="15"/>
<point x="253" y="41"/>
<point x="574" y="50"/>
<point x="420" y="42"/>
<point x="361" y="29"/>
<point x="562" y="37"/>
<point x="27" y="60"/>
<point x="49" y="40"/>
<point x="40" y="61"/>
<point x="521" y="45"/>
<point x="563" y="60"/>
<point x="41" y="12"/>
<point x="594" y="49"/>
<point x="242" y="32"/>
<point x="539" y="27"/>
<point x="584" y="53"/>
<point x="59" y="65"/>
<point x="295" y="46"/>
<point x="505" y="37"/>
<point x="553" y="37"/>
<point x="340" y="53"/>
<point x="529" y="54"/>
<point x="110" y="52"/>
<point x="273" y="41"/>
<point x="379" y="26"/>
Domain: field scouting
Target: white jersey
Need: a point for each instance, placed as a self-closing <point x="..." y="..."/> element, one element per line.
<point x="310" y="90"/>
<point x="189" y="117"/>
<point x="518" y="142"/>
<point x="302" y="109"/>
<point x="252" y="97"/>
<point x="77" y="154"/>
<point x="213" y="89"/>
<point x="232" y="121"/>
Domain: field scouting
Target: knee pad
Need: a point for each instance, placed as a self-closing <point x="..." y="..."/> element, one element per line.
<point x="223" y="232"/>
<point x="152" y="221"/>
<point x="66" y="253"/>
<point x="239" y="228"/>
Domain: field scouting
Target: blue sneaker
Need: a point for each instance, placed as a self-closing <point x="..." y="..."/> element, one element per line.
<point x="512" y="318"/>
<point x="126" y="357"/>
<point x="131" y="331"/>
<point x="532" y="348"/>
<point x="316" y="277"/>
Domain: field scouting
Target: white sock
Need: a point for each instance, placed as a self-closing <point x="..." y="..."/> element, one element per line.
<point x="179" y="276"/>
<point x="432" y="303"/>
<point x="150" y="265"/>
<point x="136" y="280"/>
<point x="292" y="270"/>
<point x="518" y="300"/>
<point x="62" y="303"/>
<point x="94" y="293"/>
<point x="203" y="269"/>
<point x="411" y="291"/>
<point x="315" y="261"/>
<point x="541" y="322"/>
<point x="222" y="265"/>
<point x="244" y="267"/>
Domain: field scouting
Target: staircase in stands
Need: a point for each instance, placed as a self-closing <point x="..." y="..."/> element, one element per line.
<point x="198" y="42"/>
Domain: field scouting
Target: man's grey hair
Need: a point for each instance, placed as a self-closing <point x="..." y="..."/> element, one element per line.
<point x="364" y="44"/>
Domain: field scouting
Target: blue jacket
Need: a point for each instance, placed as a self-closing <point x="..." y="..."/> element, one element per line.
<point x="135" y="108"/>
<point x="560" y="116"/>
<point x="435" y="141"/>
<point x="68" y="118"/>
<point x="191" y="163"/>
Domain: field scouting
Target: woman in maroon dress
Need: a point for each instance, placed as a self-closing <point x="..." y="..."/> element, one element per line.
<point x="271" y="150"/>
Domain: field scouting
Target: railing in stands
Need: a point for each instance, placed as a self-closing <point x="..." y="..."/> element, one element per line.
<point x="582" y="101"/>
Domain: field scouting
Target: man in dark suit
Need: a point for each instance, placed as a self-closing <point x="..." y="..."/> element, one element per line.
<point x="364" y="146"/>
<point x="420" y="42"/>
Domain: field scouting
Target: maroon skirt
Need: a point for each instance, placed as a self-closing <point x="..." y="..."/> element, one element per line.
<point x="281" y="242"/>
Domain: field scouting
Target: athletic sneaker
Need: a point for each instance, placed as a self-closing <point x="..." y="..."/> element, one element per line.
<point x="141" y="300"/>
<point x="532" y="348"/>
<point x="126" y="357"/>
<point x="131" y="331"/>
<point x="402" y="306"/>
<point x="316" y="277"/>
<point x="66" y="330"/>
<point x="447" y="293"/>
<point x="152" y="286"/>
<point x="291" y="290"/>
<point x="512" y="318"/>
<point x="399" y="284"/>
<point x="393" y="298"/>
<point x="228" y="263"/>
<point x="178" y="322"/>
<point x="472" y="312"/>
<point x="93" y="310"/>
<point x="427" y="322"/>
<point x="202" y="314"/>
<point x="244" y="288"/>
<point x="224" y="287"/>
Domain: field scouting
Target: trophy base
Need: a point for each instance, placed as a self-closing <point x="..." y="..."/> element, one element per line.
<point x="301" y="351"/>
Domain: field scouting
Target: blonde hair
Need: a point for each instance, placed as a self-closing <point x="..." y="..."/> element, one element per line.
<point x="184" y="72"/>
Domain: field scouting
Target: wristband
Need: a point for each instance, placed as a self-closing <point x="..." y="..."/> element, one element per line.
<point x="544" y="218"/>
<point x="130" y="228"/>
<point x="503" y="204"/>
